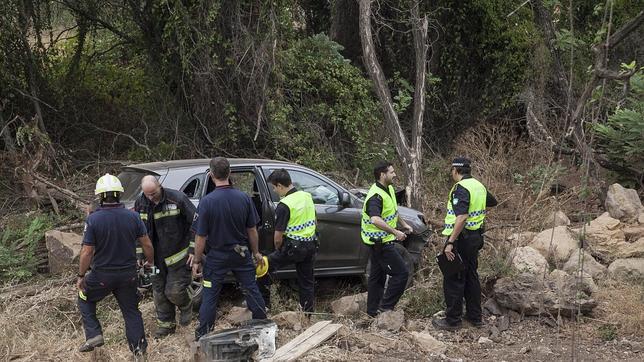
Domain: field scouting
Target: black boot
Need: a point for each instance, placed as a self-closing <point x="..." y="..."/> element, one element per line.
<point x="443" y="324"/>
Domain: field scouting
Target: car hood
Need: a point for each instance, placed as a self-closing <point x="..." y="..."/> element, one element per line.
<point x="414" y="218"/>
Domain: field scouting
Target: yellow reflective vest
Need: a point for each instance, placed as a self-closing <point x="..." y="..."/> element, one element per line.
<point x="389" y="214"/>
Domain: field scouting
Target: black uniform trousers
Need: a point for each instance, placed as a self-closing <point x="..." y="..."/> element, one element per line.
<point x="219" y="263"/>
<point x="302" y="254"/>
<point x="466" y="283"/>
<point x="123" y="284"/>
<point x="385" y="260"/>
<point x="170" y="289"/>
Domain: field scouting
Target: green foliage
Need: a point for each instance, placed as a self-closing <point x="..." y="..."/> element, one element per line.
<point x="485" y="60"/>
<point x="405" y="93"/>
<point x="493" y="264"/>
<point x="567" y="41"/>
<point x="607" y="332"/>
<point x="162" y="151"/>
<point x="31" y="134"/>
<point x="323" y="113"/>
<point x="18" y="242"/>
<point x="539" y="176"/>
<point x="621" y="138"/>
<point x="423" y="301"/>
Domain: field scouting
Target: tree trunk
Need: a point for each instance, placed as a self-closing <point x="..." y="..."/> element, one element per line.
<point x="344" y="28"/>
<point x="410" y="157"/>
<point x="419" y="33"/>
<point x="9" y="143"/>
<point x="544" y="21"/>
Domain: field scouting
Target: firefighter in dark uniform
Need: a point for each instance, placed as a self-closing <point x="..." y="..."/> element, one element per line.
<point x="378" y="232"/>
<point x="295" y="238"/>
<point x="168" y="215"/>
<point x="227" y="219"/>
<point x="109" y="246"/>
<point x="466" y="209"/>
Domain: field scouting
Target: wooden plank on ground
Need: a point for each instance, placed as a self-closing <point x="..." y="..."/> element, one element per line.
<point x="300" y="345"/>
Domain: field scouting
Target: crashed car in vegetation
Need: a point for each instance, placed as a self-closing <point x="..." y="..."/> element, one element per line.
<point x="341" y="251"/>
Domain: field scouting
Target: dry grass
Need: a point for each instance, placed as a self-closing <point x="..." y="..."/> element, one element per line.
<point x="47" y="326"/>
<point x="622" y="304"/>
<point x="519" y="174"/>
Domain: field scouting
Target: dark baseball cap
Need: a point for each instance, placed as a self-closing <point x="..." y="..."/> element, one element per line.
<point x="461" y="162"/>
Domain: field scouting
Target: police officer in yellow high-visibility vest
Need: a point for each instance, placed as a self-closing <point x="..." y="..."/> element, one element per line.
<point x="295" y="238"/>
<point x="466" y="208"/>
<point x="378" y="232"/>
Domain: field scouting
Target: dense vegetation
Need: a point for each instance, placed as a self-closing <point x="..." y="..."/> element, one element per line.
<point x="167" y="79"/>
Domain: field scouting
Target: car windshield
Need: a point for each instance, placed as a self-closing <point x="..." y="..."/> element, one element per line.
<point x="131" y="181"/>
<point x="322" y="192"/>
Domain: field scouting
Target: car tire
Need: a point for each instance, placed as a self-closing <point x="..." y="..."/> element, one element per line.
<point x="195" y="290"/>
<point x="407" y="258"/>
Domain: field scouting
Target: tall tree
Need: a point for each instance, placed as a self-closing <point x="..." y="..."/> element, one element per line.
<point x="573" y="116"/>
<point x="409" y="151"/>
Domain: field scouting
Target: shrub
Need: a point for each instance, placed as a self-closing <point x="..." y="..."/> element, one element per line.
<point x="621" y="138"/>
<point x="18" y="243"/>
<point x="321" y="92"/>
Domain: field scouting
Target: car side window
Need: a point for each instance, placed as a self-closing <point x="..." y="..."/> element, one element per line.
<point x="192" y="187"/>
<point x="246" y="182"/>
<point x="322" y="192"/>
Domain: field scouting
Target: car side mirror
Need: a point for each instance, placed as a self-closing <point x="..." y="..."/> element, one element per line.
<point x="345" y="199"/>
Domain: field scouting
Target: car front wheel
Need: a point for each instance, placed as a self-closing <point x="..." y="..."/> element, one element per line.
<point x="194" y="291"/>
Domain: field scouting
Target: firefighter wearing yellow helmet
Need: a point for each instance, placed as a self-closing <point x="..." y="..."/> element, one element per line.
<point x="109" y="247"/>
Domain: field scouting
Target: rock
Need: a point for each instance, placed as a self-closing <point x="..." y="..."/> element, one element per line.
<point x="391" y="320"/>
<point x="633" y="233"/>
<point x="629" y="269"/>
<point x="622" y="203"/>
<point x="503" y="324"/>
<point x="590" y="265"/>
<point x="543" y="350"/>
<point x="415" y="325"/>
<point x="428" y="343"/>
<point x="532" y="296"/>
<point x="558" y="218"/>
<point x="514" y="316"/>
<point x="640" y="219"/>
<point x="631" y="250"/>
<point x="493" y="307"/>
<point x="378" y="348"/>
<point x="635" y="346"/>
<point x="495" y="334"/>
<point x="485" y="340"/>
<point x="549" y="321"/>
<point x="605" y="238"/>
<point x="63" y="250"/>
<point x="588" y="283"/>
<point x="528" y="259"/>
<point x="563" y="280"/>
<point x="522" y="238"/>
<point x="558" y="245"/>
<point x="525" y="350"/>
<point x="350" y="304"/>
<point x="238" y="315"/>
<point x="289" y="320"/>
